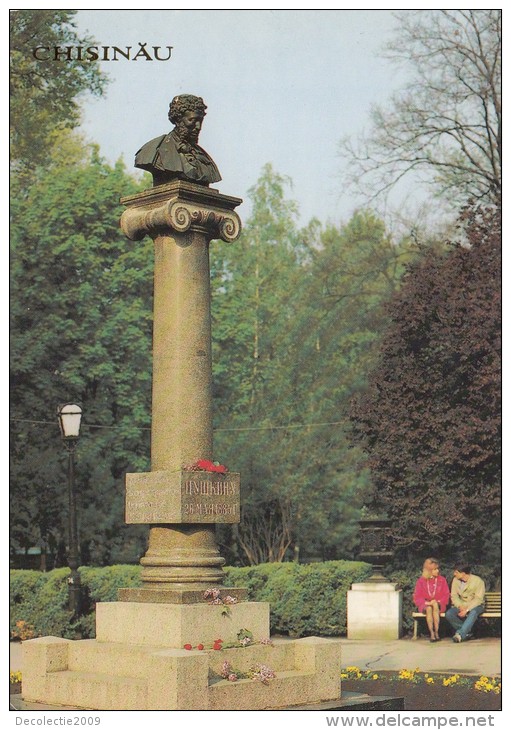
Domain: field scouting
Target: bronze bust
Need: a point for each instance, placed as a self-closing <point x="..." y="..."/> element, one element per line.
<point x="177" y="156"/>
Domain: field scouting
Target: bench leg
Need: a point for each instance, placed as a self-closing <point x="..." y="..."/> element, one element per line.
<point x="415" y="624"/>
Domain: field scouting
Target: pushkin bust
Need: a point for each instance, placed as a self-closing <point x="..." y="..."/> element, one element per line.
<point x="177" y="156"/>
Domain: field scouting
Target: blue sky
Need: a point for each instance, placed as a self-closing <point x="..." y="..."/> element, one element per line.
<point x="281" y="86"/>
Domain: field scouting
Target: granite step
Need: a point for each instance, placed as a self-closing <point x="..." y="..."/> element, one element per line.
<point x="349" y="702"/>
<point x="89" y="655"/>
<point x="96" y="690"/>
<point x="288" y="688"/>
<point x="131" y="660"/>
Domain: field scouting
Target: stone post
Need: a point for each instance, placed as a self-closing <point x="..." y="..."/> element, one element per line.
<point x="181" y="506"/>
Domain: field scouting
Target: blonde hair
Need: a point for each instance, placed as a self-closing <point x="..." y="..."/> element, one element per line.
<point x="429" y="565"/>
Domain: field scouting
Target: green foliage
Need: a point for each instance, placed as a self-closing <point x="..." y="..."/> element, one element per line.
<point x="297" y="316"/>
<point x="44" y="605"/>
<point x="81" y="319"/>
<point x="44" y="96"/>
<point x="24" y="583"/>
<point x="305" y="600"/>
<point x="40" y="600"/>
<point x="103" y="583"/>
<point x="406" y="580"/>
<point x="430" y="419"/>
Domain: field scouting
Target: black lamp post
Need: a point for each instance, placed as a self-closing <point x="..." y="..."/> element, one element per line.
<point x="70" y="416"/>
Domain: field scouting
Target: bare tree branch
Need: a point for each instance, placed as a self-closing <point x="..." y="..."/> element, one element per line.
<point x="445" y="123"/>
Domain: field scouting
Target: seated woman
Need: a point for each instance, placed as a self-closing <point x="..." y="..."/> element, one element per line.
<point x="431" y="595"/>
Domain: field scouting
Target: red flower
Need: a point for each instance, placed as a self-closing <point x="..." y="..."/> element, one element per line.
<point x="218" y="644"/>
<point x="188" y="646"/>
<point x="211" y="466"/>
<point x="205" y="464"/>
<point x="200" y="647"/>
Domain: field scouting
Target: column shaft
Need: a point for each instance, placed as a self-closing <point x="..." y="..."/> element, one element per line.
<point x="182" y="219"/>
<point x="182" y="429"/>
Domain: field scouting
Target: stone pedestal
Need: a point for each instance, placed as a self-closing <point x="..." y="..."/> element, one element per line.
<point x="138" y="662"/>
<point x="375" y="611"/>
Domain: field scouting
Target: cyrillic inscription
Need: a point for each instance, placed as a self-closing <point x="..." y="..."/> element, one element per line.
<point x="180" y="497"/>
<point x="200" y="509"/>
<point x="210" y="488"/>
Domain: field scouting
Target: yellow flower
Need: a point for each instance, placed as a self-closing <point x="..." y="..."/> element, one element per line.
<point x="352" y="673"/>
<point x="408" y="674"/>
<point x="485" y="684"/>
<point x="430" y="680"/>
<point x="375" y="676"/>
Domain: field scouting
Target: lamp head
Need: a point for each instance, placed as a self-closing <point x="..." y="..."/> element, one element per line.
<point x="70" y="416"/>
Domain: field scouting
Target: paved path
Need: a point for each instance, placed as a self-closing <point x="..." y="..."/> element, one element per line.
<point x="479" y="656"/>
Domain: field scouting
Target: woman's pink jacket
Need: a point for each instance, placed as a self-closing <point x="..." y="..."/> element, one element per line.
<point x="425" y="591"/>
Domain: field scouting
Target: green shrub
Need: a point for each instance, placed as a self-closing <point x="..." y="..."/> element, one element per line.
<point x="305" y="600"/>
<point x="406" y="580"/>
<point x="39" y="601"/>
<point x="23" y="586"/>
<point x="103" y="583"/>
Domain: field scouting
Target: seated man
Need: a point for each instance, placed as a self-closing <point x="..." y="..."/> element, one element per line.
<point x="467" y="598"/>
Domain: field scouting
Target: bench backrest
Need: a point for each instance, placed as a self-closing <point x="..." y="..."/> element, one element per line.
<point x="493" y="602"/>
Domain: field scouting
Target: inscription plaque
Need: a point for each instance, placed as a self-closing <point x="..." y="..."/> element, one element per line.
<point x="160" y="497"/>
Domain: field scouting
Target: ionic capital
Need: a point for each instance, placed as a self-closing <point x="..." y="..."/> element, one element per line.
<point x="182" y="209"/>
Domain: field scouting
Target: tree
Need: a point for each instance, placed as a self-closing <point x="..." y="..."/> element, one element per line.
<point x="430" y="419"/>
<point x="296" y="316"/>
<point x="255" y="286"/>
<point x="44" y="96"/>
<point x="354" y="268"/>
<point x="81" y="319"/>
<point x="446" y="122"/>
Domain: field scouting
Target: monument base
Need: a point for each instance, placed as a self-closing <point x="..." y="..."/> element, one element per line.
<point x="349" y="702"/>
<point x="175" y="595"/>
<point x="138" y="661"/>
<point x="375" y="611"/>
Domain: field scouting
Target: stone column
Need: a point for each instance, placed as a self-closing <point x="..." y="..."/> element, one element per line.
<point x="181" y="507"/>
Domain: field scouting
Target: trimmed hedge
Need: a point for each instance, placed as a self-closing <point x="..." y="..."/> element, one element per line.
<point x="305" y="600"/>
<point x="38" y="601"/>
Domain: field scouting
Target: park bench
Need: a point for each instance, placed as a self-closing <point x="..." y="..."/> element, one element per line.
<point x="492" y="609"/>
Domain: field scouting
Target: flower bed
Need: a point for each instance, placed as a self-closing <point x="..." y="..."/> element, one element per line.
<point x="14" y="683"/>
<point x="427" y="691"/>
